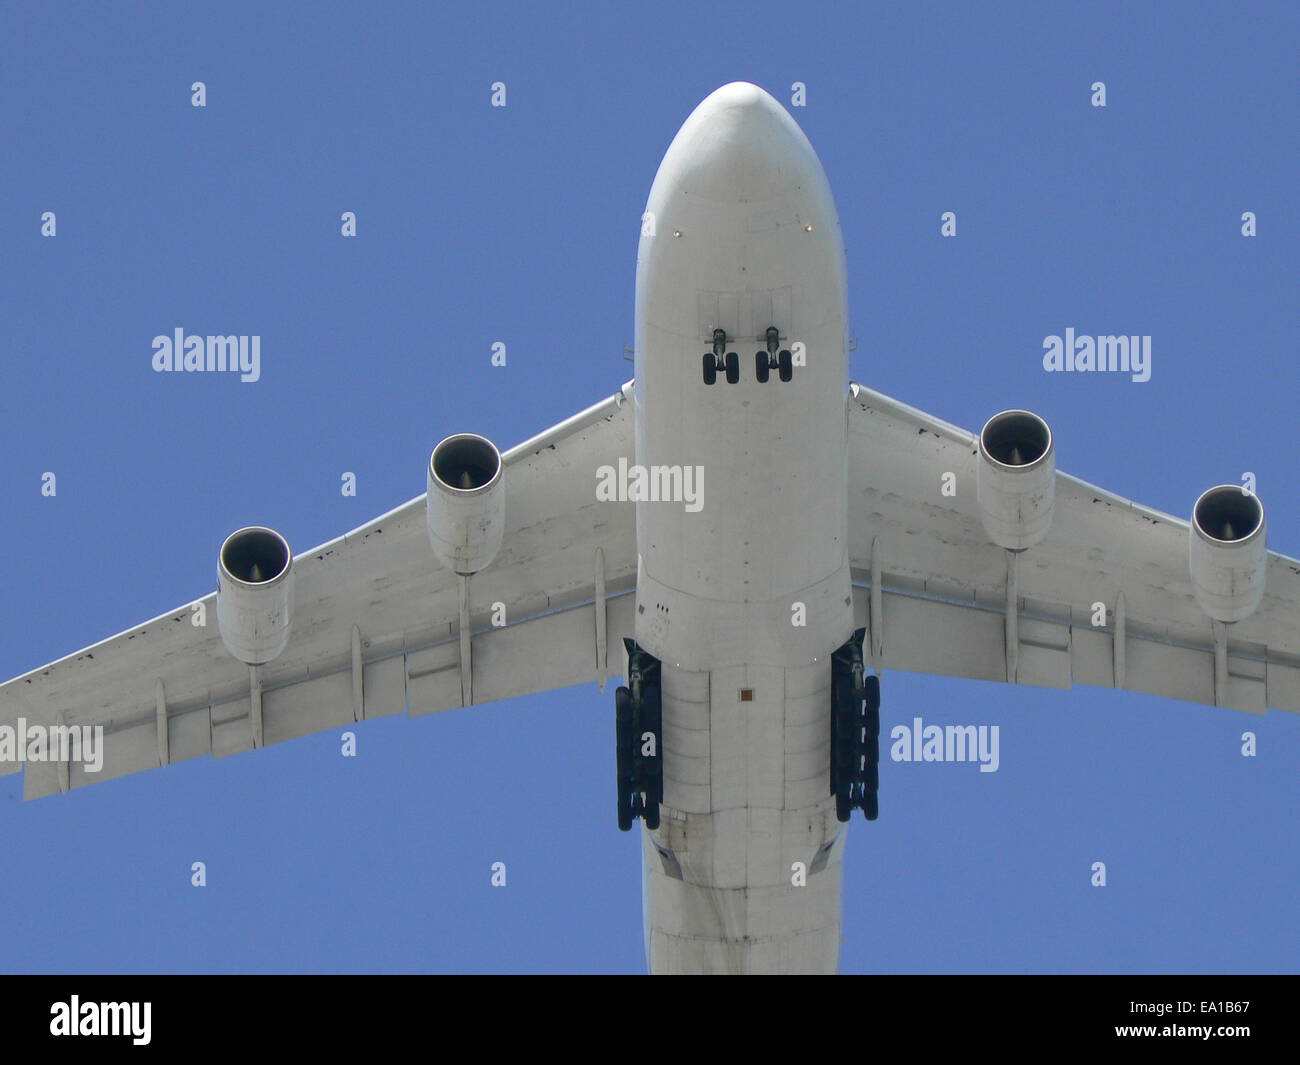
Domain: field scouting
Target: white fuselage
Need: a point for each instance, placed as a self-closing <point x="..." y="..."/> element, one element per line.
<point x="749" y="590"/>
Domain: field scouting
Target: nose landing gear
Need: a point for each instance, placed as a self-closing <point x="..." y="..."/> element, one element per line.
<point x="721" y="359"/>
<point x="772" y="359"/>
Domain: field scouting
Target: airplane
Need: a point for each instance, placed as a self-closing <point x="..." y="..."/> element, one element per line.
<point x="744" y="537"/>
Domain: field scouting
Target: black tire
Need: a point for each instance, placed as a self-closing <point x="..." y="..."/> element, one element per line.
<point x="710" y="368"/>
<point x="733" y="367"/>
<point x="636" y="782"/>
<point x="623" y="746"/>
<point x="624" y="726"/>
<point x="761" y="366"/>
<point x="785" y="365"/>
<point x="870" y="806"/>
<point x="872" y="684"/>
<point x="844" y="706"/>
<point x="847" y="761"/>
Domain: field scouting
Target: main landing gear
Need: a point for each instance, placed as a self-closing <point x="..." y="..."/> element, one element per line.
<point x="855" y="732"/>
<point x="638" y="717"/>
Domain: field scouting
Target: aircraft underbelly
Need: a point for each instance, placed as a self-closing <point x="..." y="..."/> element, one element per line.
<point x="743" y="586"/>
<point x="743" y="873"/>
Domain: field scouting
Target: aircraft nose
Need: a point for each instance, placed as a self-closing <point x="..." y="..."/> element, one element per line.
<point x="741" y="146"/>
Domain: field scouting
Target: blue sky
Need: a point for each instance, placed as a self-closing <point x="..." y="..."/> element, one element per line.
<point x="520" y="225"/>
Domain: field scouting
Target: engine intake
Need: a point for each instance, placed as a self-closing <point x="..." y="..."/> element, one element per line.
<point x="1016" y="479"/>
<point x="1228" y="554"/>
<point x="255" y="594"/>
<point x="466" y="505"/>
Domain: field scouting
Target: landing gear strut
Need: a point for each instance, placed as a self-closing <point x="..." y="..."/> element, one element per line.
<point x="721" y="359"/>
<point x="773" y="359"/>
<point x="638" y="714"/>
<point x="855" y="732"/>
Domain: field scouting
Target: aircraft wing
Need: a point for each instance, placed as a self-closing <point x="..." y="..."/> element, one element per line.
<point x="944" y="599"/>
<point x="375" y="626"/>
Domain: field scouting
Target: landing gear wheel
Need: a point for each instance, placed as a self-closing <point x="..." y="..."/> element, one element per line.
<point x="785" y="365"/>
<point x="624" y="737"/>
<point x="652" y="768"/>
<point x="638" y="720"/>
<point x="855" y="721"/>
<point x="733" y="367"/>
<point x="761" y="366"/>
<point x="845" y="755"/>
<point x="871" y="747"/>
<point x="710" y="368"/>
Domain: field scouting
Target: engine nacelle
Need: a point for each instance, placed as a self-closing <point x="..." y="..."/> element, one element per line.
<point x="466" y="505"/>
<point x="1016" y="480"/>
<point x="255" y="594"/>
<point x="1228" y="555"/>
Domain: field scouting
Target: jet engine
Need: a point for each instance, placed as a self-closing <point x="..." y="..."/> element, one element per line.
<point x="1227" y="552"/>
<point x="466" y="505"/>
<point x="254" y="594"/>
<point x="1016" y="479"/>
